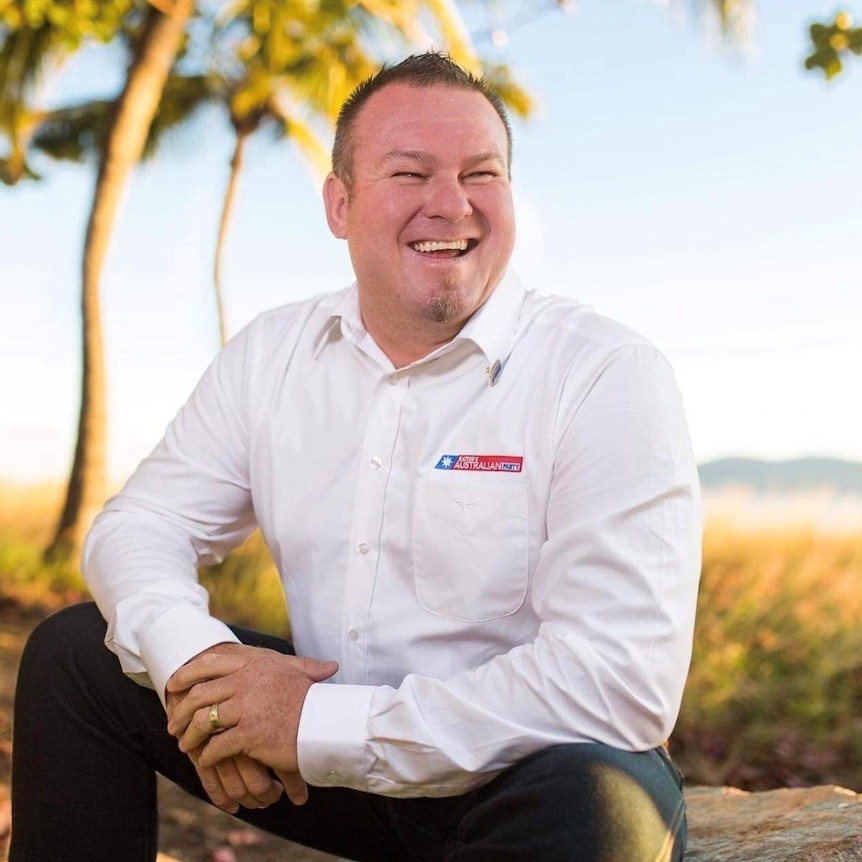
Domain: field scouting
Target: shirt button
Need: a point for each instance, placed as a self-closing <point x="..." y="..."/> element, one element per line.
<point x="333" y="777"/>
<point x="353" y="635"/>
<point x="393" y="379"/>
<point x="363" y="548"/>
<point x="376" y="463"/>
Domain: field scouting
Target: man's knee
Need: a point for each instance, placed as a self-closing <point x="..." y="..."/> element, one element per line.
<point x="582" y="801"/>
<point x="70" y="635"/>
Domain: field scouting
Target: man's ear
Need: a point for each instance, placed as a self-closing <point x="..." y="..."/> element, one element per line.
<point x="335" y="202"/>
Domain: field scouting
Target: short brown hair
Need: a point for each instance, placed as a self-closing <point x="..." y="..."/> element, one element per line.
<point x="419" y="70"/>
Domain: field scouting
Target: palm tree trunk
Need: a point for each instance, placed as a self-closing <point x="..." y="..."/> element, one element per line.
<point x="236" y="163"/>
<point x="135" y="109"/>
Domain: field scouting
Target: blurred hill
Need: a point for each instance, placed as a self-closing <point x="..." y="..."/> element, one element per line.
<point x="799" y="475"/>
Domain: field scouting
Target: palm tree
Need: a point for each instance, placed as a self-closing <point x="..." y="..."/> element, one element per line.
<point x="155" y="50"/>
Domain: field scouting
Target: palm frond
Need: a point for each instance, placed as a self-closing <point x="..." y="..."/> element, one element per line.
<point x="183" y="97"/>
<point x="307" y="139"/>
<point x="24" y="55"/>
<point x="455" y="35"/>
<point x="515" y="97"/>
<point x="75" y="132"/>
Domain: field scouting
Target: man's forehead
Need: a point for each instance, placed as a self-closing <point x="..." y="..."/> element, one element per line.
<point x="401" y="108"/>
<point x="402" y="101"/>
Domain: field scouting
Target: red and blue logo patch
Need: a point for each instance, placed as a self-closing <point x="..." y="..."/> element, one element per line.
<point x="482" y="463"/>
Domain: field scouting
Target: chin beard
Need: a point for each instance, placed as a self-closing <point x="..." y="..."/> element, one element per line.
<point x="447" y="304"/>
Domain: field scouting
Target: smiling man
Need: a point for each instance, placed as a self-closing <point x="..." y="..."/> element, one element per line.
<point x="483" y="506"/>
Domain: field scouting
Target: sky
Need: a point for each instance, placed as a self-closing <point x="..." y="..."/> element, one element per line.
<point x="706" y="197"/>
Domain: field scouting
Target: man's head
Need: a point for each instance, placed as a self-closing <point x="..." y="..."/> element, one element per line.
<point x="421" y="193"/>
<point x="420" y="70"/>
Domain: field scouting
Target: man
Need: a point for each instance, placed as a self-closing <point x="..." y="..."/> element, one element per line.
<point x="484" y="509"/>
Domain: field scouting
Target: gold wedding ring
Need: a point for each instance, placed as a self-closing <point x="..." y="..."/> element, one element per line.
<point x="215" y="722"/>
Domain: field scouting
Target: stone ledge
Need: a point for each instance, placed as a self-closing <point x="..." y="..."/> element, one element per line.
<point x="806" y="824"/>
<point x="812" y="824"/>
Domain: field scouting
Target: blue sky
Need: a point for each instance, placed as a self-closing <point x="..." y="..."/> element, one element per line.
<point x="708" y="198"/>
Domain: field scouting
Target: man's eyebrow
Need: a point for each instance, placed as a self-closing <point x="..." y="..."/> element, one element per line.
<point x="409" y="155"/>
<point x="490" y="156"/>
<point x="426" y="158"/>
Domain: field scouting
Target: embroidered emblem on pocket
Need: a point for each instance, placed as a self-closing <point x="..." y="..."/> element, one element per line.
<point x="486" y="463"/>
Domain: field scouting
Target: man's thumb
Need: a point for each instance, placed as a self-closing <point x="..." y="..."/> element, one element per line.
<point x="319" y="670"/>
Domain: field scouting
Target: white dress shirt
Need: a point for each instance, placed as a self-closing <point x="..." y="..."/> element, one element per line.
<point x="499" y="544"/>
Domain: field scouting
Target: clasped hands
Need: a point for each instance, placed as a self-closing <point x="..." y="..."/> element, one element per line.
<point x="259" y="694"/>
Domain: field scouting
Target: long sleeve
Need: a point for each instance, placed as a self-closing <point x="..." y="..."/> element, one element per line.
<point x="187" y="504"/>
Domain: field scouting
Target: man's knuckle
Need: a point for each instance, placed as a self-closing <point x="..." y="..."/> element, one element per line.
<point x="258" y="784"/>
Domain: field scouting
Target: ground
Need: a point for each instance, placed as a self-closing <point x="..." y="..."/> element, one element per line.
<point x="190" y="831"/>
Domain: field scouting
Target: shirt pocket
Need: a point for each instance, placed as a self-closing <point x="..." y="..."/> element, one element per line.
<point x="470" y="549"/>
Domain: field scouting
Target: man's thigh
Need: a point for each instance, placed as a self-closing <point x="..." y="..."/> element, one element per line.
<point x="579" y="803"/>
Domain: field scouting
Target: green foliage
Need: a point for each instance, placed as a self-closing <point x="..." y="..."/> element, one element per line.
<point x="245" y="589"/>
<point x="68" y="22"/>
<point x="832" y="44"/>
<point x="26" y="580"/>
<point x="36" y="35"/>
<point x="78" y="132"/>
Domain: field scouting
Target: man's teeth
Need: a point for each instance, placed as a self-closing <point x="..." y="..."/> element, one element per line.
<point x="455" y="245"/>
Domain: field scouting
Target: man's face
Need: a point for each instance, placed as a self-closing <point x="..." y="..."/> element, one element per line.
<point x="429" y="220"/>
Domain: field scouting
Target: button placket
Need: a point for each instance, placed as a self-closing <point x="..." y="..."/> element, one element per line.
<point x="380" y="431"/>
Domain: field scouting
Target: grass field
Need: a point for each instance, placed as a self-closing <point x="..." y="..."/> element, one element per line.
<point x="775" y="691"/>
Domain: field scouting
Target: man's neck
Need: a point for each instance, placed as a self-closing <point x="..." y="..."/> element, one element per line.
<point x="409" y="347"/>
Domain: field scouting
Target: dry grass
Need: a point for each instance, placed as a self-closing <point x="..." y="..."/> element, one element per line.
<point x="775" y="691"/>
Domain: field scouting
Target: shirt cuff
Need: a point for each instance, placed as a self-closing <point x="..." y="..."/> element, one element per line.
<point x="177" y="636"/>
<point x="332" y="737"/>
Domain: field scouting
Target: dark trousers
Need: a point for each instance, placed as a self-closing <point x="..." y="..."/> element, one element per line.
<point x="88" y="743"/>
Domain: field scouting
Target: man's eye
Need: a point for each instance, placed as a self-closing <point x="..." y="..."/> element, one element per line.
<point x="410" y="175"/>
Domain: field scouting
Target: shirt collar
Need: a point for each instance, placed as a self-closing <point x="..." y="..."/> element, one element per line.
<point x="343" y="320"/>
<point x="491" y="328"/>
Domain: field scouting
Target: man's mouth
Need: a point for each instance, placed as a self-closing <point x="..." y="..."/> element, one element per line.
<point x="452" y="248"/>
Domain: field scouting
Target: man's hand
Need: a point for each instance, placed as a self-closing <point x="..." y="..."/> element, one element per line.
<point x="235" y="782"/>
<point x="259" y="694"/>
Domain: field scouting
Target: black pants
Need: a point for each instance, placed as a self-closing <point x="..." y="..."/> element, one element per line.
<point x="88" y="743"/>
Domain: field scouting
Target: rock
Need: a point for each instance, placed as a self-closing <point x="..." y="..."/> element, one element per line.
<point x="805" y="824"/>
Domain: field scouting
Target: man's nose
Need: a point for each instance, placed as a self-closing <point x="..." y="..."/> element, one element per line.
<point x="448" y="199"/>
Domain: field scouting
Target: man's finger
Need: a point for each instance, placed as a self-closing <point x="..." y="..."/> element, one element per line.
<point x="294" y="787"/>
<point x="260" y="783"/>
<point x="208" y="665"/>
<point x="221" y="746"/>
<point x="236" y="780"/>
<point x="195" y="705"/>
<point x="212" y="786"/>
<point x="203" y="724"/>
